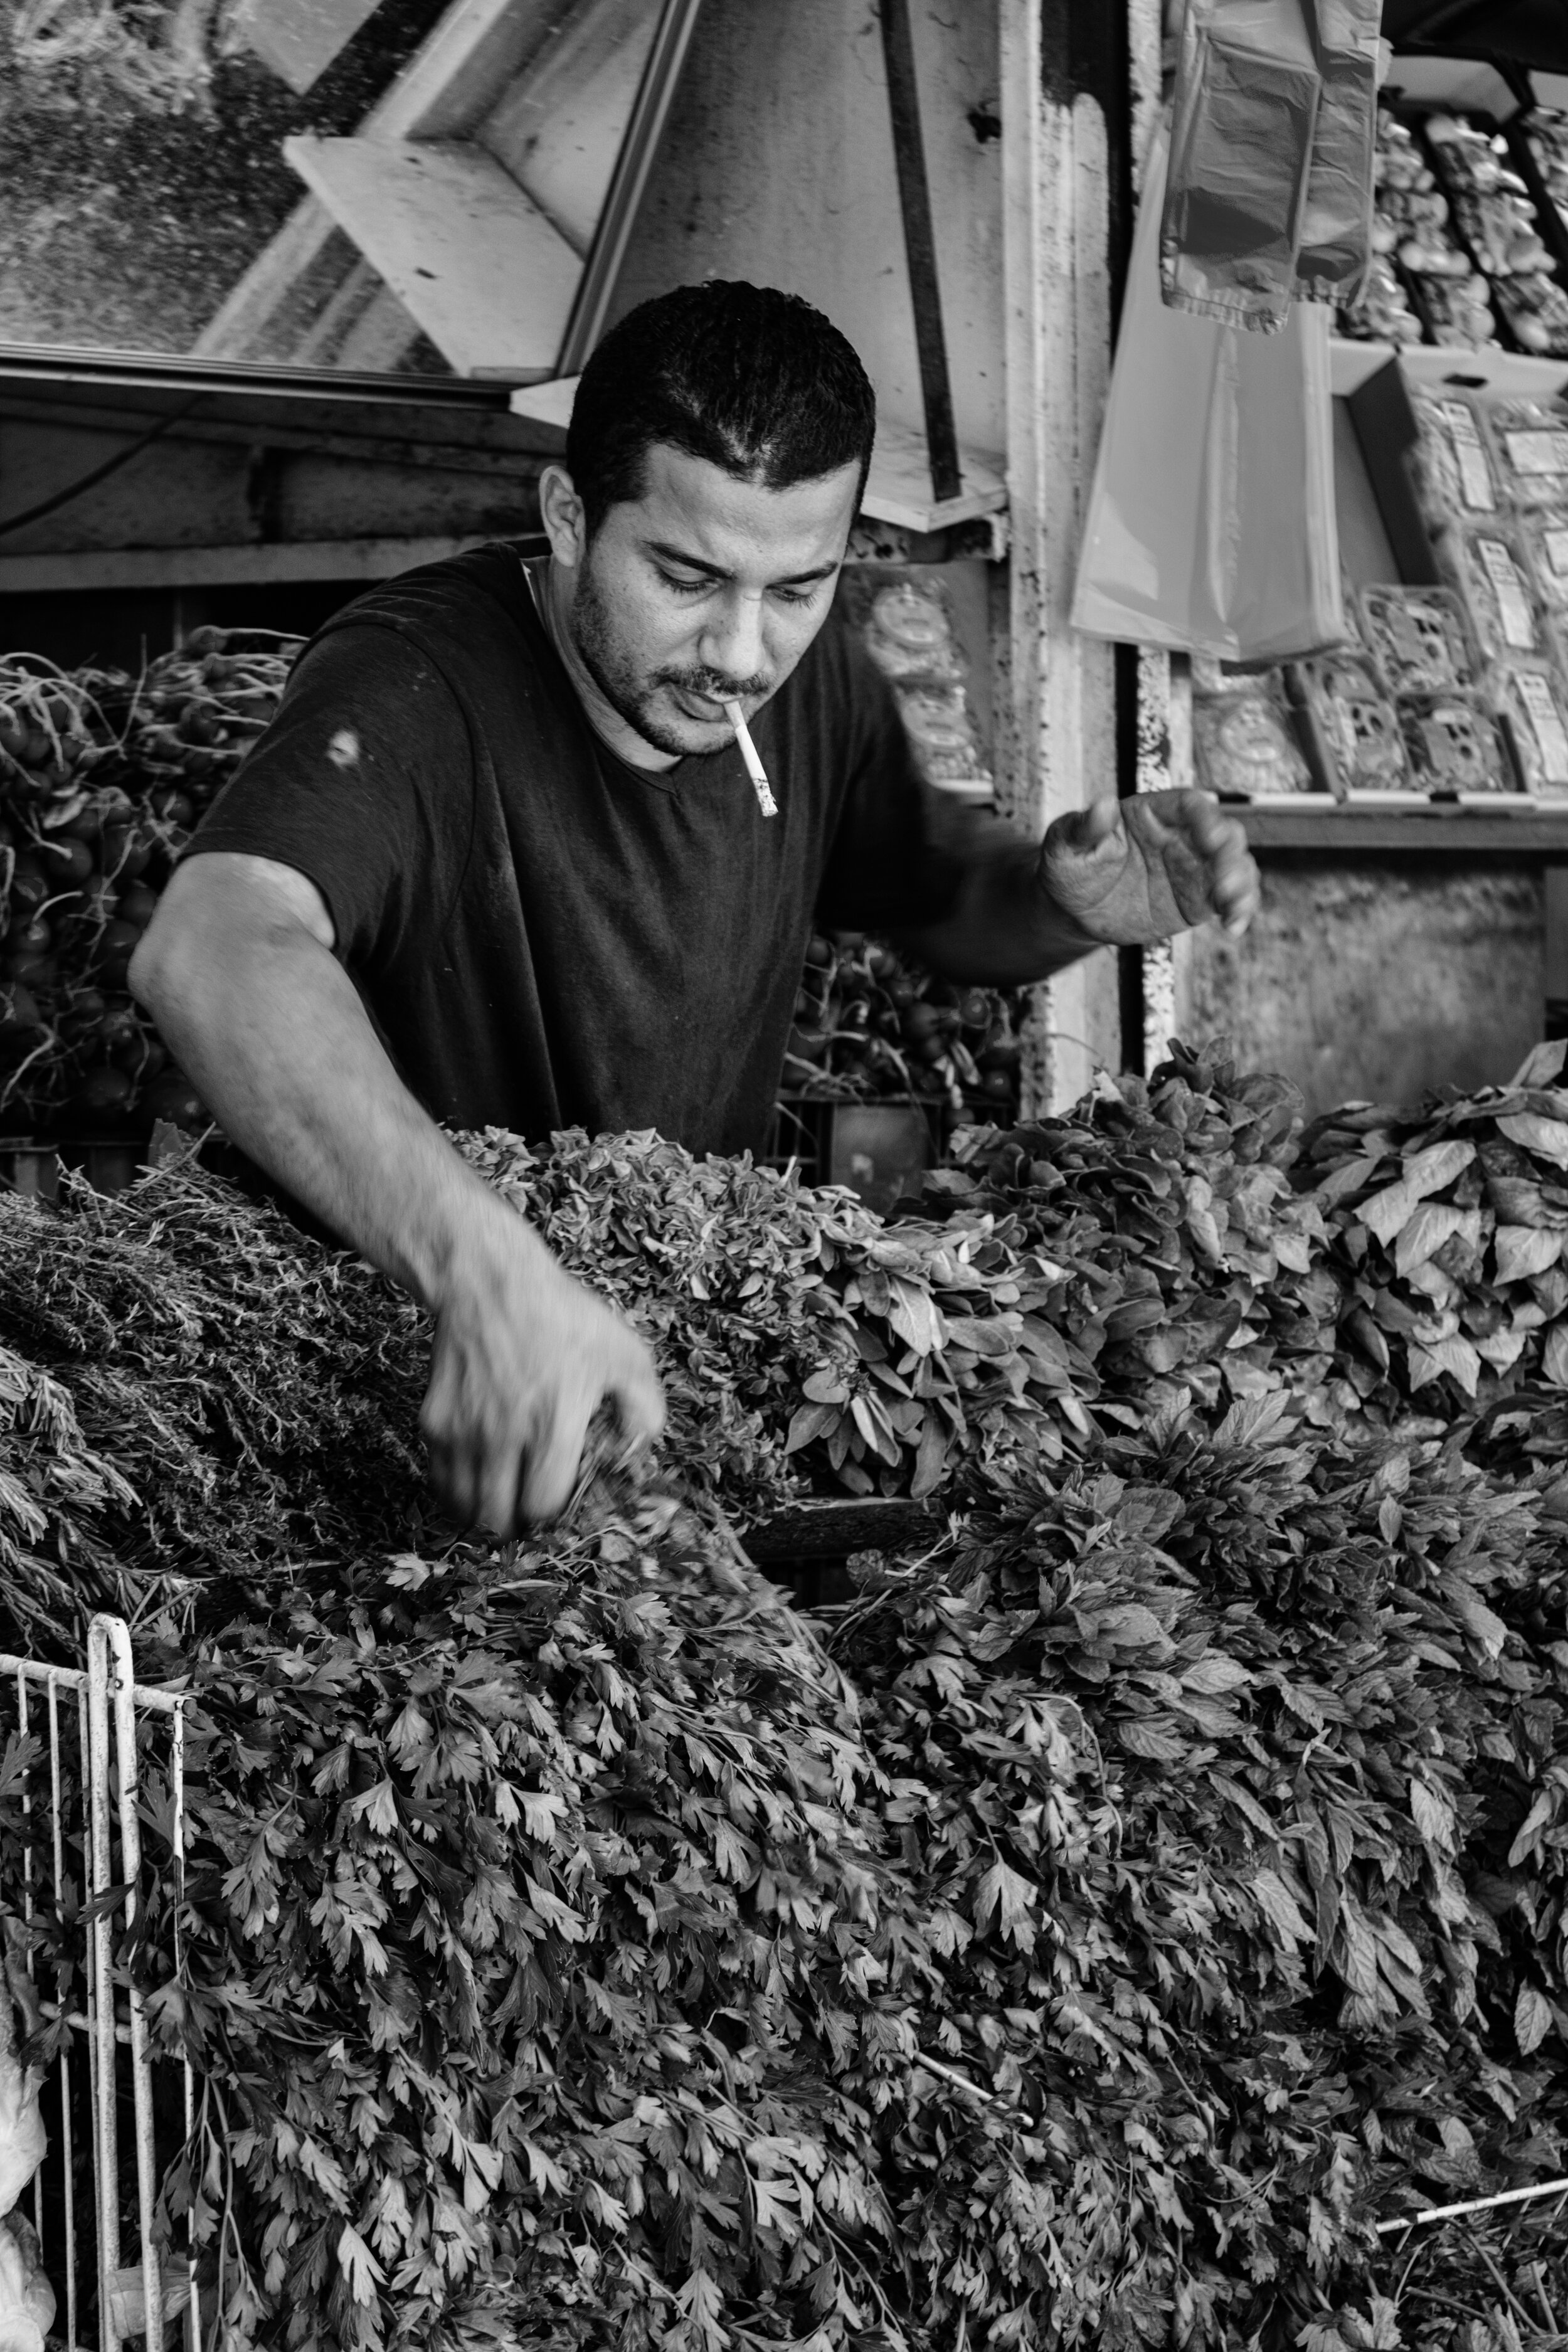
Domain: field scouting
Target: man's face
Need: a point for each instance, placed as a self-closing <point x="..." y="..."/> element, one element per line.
<point x="705" y="590"/>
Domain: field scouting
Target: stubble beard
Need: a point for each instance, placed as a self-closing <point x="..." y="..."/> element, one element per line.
<point x="633" y="698"/>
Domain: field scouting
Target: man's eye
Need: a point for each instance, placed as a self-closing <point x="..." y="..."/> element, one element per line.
<point x="685" y="587"/>
<point x="794" y="596"/>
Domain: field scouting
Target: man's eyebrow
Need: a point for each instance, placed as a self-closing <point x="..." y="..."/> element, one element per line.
<point x="671" y="554"/>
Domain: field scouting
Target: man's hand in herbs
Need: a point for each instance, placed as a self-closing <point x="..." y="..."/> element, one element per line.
<point x="1132" y="872"/>
<point x="524" y="1356"/>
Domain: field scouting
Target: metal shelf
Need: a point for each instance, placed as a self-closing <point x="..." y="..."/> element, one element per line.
<point x="1452" y="833"/>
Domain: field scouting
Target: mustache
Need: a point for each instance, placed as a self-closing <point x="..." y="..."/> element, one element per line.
<point x="708" y="682"/>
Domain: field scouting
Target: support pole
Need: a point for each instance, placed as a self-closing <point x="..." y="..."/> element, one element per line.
<point x="919" y="248"/>
<point x="1062" y="131"/>
<point x="1164" y="743"/>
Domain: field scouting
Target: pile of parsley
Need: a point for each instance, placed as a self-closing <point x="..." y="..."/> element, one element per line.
<point x="1085" y="1934"/>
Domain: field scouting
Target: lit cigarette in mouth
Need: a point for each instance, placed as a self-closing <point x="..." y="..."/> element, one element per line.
<point x="755" y="768"/>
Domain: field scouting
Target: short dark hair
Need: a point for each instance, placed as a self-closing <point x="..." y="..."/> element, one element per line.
<point x="747" y="377"/>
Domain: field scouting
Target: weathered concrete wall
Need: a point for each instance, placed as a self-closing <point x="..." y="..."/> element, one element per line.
<point x="1378" y="979"/>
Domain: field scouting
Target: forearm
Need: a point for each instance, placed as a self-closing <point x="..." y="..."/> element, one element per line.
<point x="270" y="1027"/>
<point x="1005" y="928"/>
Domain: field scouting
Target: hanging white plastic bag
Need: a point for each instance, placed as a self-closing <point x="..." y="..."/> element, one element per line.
<point x="1268" y="194"/>
<point x="1211" y="523"/>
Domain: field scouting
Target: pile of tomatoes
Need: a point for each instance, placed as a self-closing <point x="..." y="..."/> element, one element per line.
<point x="870" y="1027"/>
<point x="102" y="779"/>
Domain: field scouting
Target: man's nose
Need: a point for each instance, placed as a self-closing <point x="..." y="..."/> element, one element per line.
<point x="733" y="642"/>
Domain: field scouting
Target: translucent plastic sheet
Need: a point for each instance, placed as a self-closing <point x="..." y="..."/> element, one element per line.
<point x="1211" y="525"/>
<point x="1270" y="197"/>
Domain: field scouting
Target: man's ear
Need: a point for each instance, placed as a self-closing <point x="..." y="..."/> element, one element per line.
<point x="560" y="511"/>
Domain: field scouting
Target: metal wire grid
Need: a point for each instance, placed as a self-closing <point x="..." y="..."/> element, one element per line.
<point x="103" y="1697"/>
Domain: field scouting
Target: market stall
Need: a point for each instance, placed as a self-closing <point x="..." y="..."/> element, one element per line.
<point x="1104" y="1882"/>
<point x="1407" y="788"/>
<point x="235" y="490"/>
<point x="1428" y="851"/>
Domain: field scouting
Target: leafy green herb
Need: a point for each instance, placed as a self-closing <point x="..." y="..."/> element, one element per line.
<point x="1083" y="1934"/>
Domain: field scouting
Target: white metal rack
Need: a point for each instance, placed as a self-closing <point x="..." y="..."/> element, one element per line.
<point x="87" y="1766"/>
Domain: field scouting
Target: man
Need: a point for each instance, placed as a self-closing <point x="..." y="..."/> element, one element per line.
<point x="498" y="861"/>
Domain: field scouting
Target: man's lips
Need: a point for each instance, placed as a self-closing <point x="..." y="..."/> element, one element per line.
<point x="707" y="708"/>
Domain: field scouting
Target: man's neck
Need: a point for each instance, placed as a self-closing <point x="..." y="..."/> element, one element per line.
<point x="552" y="597"/>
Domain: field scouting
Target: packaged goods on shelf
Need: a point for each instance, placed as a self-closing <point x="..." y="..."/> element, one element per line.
<point x="1492" y="206"/>
<point x="1546" y="132"/>
<point x="936" y="720"/>
<point x="1454" y="743"/>
<point x="1459" y="236"/>
<point x="1460" y="312"/>
<point x="1530" y="698"/>
<point x="1243" y="739"/>
<point x="1413" y="227"/>
<point x="906" y="624"/>
<point x="1380" y="312"/>
<point x="1456" y="476"/>
<point x="1355" y="627"/>
<point x="1544" y="536"/>
<point x="1411" y="219"/>
<point x="1536" y="309"/>
<point x="1493" y="212"/>
<point x="1490" y="572"/>
<point x="1529" y="445"/>
<point x="1418" y="638"/>
<point x="908" y="632"/>
<point x="1353" y="723"/>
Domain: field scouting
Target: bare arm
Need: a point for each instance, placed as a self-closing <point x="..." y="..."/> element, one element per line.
<point x="1004" y="929"/>
<point x="238" y="970"/>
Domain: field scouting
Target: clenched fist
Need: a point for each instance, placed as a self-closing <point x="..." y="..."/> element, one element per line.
<point x="524" y="1356"/>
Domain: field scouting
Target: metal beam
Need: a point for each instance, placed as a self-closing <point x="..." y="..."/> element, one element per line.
<point x="920" y="249"/>
<point x="1529" y="831"/>
<point x="212" y="567"/>
<point x="628" y="181"/>
<point x="1160" y="738"/>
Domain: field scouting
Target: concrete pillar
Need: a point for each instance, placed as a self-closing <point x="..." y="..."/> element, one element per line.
<point x="1063" y="127"/>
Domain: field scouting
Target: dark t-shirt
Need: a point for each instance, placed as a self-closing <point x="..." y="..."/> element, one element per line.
<point x="545" y="935"/>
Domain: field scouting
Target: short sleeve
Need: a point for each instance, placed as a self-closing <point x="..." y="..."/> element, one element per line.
<point x="901" y="847"/>
<point x="340" y="785"/>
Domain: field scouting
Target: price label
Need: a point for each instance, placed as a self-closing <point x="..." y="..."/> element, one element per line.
<point x="1538" y="450"/>
<point x="1513" y="598"/>
<point x="1545" y="724"/>
<point x="1475" y="474"/>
